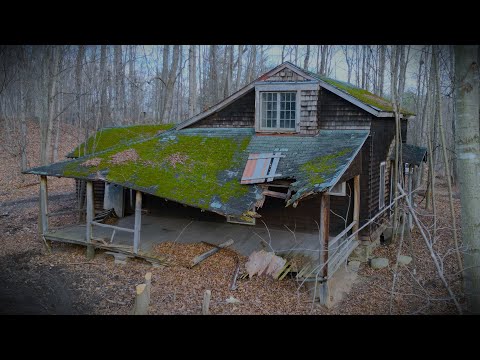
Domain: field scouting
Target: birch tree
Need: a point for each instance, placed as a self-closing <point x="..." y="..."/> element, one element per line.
<point x="467" y="147"/>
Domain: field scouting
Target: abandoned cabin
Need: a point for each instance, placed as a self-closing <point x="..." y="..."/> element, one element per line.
<point x="293" y="162"/>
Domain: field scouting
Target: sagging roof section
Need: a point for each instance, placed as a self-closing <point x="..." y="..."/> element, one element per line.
<point x="315" y="163"/>
<point x="412" y="154"/>
<point x="203" y="167"/>
<point x="196" y="167"/>
<point x="112" y="136"/>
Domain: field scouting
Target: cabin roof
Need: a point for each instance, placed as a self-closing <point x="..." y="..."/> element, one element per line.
<point x="109" y="137"/>
<point x="412" y="154"/>
<point x="202" y="167"/>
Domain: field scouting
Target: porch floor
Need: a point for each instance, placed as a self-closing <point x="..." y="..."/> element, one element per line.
<point x="158" y="229"/>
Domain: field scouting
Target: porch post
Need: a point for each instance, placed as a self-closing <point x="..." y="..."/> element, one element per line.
<point x="356" y="204"/>
<point x="324" y="240"/>
<point x="43" y="205"/>
<point x="90" y="214"/>
<point x="138" y="221"/>
<point x="410" y="194"/>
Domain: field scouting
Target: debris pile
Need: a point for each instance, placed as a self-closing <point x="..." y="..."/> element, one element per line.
<point x="267" y="263"/>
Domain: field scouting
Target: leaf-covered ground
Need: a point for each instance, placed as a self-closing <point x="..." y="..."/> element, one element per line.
<point x="33" y="281"/>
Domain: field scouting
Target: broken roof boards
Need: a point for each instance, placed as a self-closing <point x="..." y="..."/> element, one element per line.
<point x="203" y="167"/>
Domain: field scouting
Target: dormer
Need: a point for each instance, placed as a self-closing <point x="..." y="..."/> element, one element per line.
<point x="286" y="102"/>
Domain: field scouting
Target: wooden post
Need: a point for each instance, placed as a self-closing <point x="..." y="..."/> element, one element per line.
<point x="148" y="283"/>
<point x="356" y="204"/>
<point x="90" y="214"/>
<point x="324" y="240"/>
<point x="43" y="205"/>
<point x="206" y="302"/>
<point x="141" y="300"/>
<point x="138" y="221"/>
<point x="410" y="188"/>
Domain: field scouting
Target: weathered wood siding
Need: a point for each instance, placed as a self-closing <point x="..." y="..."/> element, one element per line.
<point x="285" y="75"/>
<point x="240" y="113"/>
<point x="340" y="206"/>
<point x="98" y="192"/>
<point x="308" y="112"/>
<point x="382" y="133"/>
<point x="336" y="113"/>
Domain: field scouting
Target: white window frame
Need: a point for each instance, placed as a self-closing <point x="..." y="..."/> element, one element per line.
<point x="278" y="110"/>
<point x="278" y="87"/>
<point x="338" y="192"/>
<point x="381" y="185"/>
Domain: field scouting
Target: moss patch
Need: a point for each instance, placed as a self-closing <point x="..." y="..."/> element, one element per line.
<point x="361" y="94"/>
<point x="109" y="137"/>
<point x="319" y="168"/>
<point x="203" y="178"/>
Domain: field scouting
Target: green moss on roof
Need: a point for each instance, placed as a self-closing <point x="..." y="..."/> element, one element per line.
<point x="200" y="179"/>
<point x="321" y="166"/>
<point x="362" y="95"/>
<point x="109" y="137"/>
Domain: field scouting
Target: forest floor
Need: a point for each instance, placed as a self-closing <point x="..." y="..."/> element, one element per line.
<point x="33" y="281"/>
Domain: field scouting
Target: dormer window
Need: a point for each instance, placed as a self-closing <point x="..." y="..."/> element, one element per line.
<point x="278" y="110"/>
<point x="282" y="106"/>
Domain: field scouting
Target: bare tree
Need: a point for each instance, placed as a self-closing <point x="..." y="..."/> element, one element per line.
<point x="467" y="147"/>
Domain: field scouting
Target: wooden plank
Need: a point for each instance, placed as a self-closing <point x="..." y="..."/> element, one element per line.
<point x="206" y="302"/>
<point x="198" y="259"/>
<point x="342" y="234"/>
<point x="274" y="194"/>
<point x="274" y="166"/>
<point x="260" y="178"/>
<point x="324" y="233"/>
<point x="43" y="205"/>
<point x="90" y="212"/>
<point x="356" y="204"/>
<point x="96" y="223"/>
<point x="257" y="156"/>
<point x="138" y="221"/>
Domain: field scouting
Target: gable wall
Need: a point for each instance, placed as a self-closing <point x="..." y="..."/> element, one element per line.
<point x="337" y="113"/>
<point x="285" y="75"/>
<point x="240" y="113"/>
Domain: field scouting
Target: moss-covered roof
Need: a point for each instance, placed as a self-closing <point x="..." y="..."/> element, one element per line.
<point x="202" y="167"/>
<point x="315" y="162"/>
<point x="366" y="97"/>
<point x="112" y="136"/>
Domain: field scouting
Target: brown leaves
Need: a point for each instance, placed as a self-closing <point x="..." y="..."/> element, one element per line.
<point x="124" y="156"/>
<point x="92" y="162"/>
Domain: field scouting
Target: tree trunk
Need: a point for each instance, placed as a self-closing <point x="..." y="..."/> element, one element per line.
<point x="51" y="88"/>
<point x="192" y="81"/>
<point x="381" y="70"/>
<point x="103" y="86"/>
<point x="307" y="58"/>
<point x="239" y="67"/>
<point x="467" y="147"/>
<point x="171" y="82"/>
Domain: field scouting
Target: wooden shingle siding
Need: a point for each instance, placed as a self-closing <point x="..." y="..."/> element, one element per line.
<point x="240" y="113"/>
<point x="339" y="205"/>
<point x="335" y="113"/>
<point x="285" y="75"/>
<point x="308" y="112"/>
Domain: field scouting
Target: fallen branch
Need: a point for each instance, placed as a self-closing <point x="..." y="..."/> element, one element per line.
<point x="198" y="259"/>
<point x="116" y="302"/>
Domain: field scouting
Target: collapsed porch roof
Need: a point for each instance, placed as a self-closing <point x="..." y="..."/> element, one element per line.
<point x="202" y="167"/>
